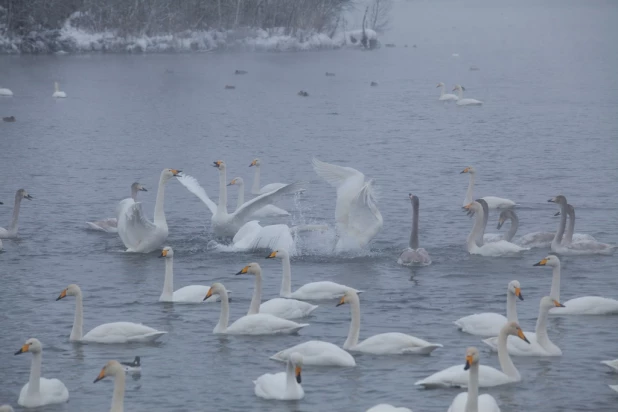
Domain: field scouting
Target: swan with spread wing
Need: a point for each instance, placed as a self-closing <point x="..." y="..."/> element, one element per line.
<point x="110" y="224"/>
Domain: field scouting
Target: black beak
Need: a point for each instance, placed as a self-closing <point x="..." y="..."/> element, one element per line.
<point x="526" y="340"/>
<point x="59" y="297"/>
<point x="557" y="213"/>
<point x="161" y="255"/>
<point x="298" y="378"/>
<point x="521" y="296"/>
<point x="462" y="172"/>
<point x="551" y="200"/>
<point x="20" y="351"/>
<point x="537" y="264"/>
<point x="143" y="189"/>
<point x="29" y="197"/>
<point x="229" y="184"/>
<point x="216" y="164"/>
<point x="500" y="224"/>
<point x="339" y="304"/>
<point x="467" y="366"/>
<point x="239" y="273"/>
<point x="1" y="203"/>
<point x="97" y="379"/>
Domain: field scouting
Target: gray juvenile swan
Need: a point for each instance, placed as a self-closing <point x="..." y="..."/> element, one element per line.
<point x="569" y="235"/>
<point x="11" y="232"/>
<point x="110" y="224"/>
<point x="413" y="254"/>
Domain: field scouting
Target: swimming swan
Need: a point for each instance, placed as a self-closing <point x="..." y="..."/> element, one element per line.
<point x="455" y="376"/>
<point x="279" y="307"/>
<point x="282" y="386"/>
<point x="5" y="92"/>
<point x="116" y="332"/>
<point x="447" y="97"/>
<point x="613" y="364"/>
<point x="324" y="290"/>
<point x="539" y="343"/>
<point x="135" y="230"/>
<point x="11" y="232"/>
<point x="493" y="202"/>
<point x="530" y="240"/>
<point x="268" y="210"/>
<point x="188" y="294"/>
<point x="115" y="369"/>
<point x="258" y="324"/>
<point x="465" y="102"/>
<point x="471" y="401"/>
<point x="227" y="224"/>
<point x="39" y="391"/>
<point x="488" y="324"/>
<point x="569" y="235"/>
<point x="391" y="343"/>
<point x="318" y="353"/>
<point x="413" y="254"/>
<point x="110" y="224"/>
<point x="385" y="407"/>
<point x="57" y="92"/>
<point x="255" y="189"/>
<point x="585" y="305"/>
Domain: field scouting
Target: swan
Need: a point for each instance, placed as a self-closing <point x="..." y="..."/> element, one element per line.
<point x="612" y="364"/>
<point x="111" y="223"/>
<point x="115" y="369"/>
<point x="498" y="248"/>
<point x="5" y="92"/>
<point x="446" y="96"/>
<point x="391" y="343"/>
<point x="579" y="248"/>
<point x="39" y="391"/>
<point x="465" y="102"/>
<point x="493" y="202"/>
<point x="255" y="189"/>
<point x="258" y="324"/>
<point x="613" y="387"/>
<point x="539" y="343"/>
<point x="530" y="240"/>
<point x="134" y="367"/>
<point x="117" y="332"/>
<point x="569" y="235"/>
<point x="57" y="92"/>
<point x="455" y="376"/>
<point x="488" y="324"/>
<point x="318" y="353"/>
<point x="266" y="211"/>
<point x="282" y="386"/>
<point x="227" y="224"/>
<point x="357" y="216"/>
<point x="11" y="232"/>
<point x="188" y="294"/>
<point x="135" y="230"/>
<point x="471" y="401"/>
<point x="413" y="254"/>
<point x="279" y="307"/>
<point x="585" y="305"/>
<point x="324" y="290"/>
<point x="6" y="408"/>
<point x="385" y="407"/>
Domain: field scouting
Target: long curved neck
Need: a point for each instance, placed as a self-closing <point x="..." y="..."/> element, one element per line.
<point x="222" y="206"/>
<point x="472" y="403"/>
<point x="224" y="317"/>
<point x="159" y="213"/>
<point x="514" y="226"/>
<point x="354" y="331"/>
<point x="290" y="377"/>
<point x="78" y="320"/>
<point x="479" y="239"/>
<point x="506" y="364"/>
<point x="468" y="198"/>
<point x="241" y="195"/>
<point x="13" y="225"/>
<point x="134" y="193"/>
<point x="168" y="285"/>
<point x="256" y="300"/>
<point x="460" y="93"/>
<point x="541" y="328"/>
<point x="286" y="280"/>
<point x="34" y="384"/>
<point x="256" y="180"/>
<point x="476" y="230"/>
<point x="511" y="309"/>
<point x="568" y="234"/>
<point x="441" y="90"/>
<point x="414" y="234"/>
<point x="555" y="283"/>
<point x="563" y="217"/>
<point x="118" y="397"/>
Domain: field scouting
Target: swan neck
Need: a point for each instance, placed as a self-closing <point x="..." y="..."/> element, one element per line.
<point x="222" y="206"/>
<point x="34" y="383"/>
<point x="511" y="309"/>
<point x="168" y="285"/>
<point x="414" y="234"/>
<point x="224" y="317"/>
<point x="134" y="193"/>
<point x="479" y="241"/>
<point x="286" y="280"/>
<point x="468" y="198"/>
<point x="555" y="283"/>
<point x="513" y="229"/>
<point x="541" y="327"/>
<point x="13" y="225"/>
<point x="159" y="213"/>
<point x="290" y="377"/>
<point x="506" y="364"/>
<point x="441" y="90"/>
<point x="460" y="93"/>
<point x="256" y="300"/>
<point x="561" y="225"/>
<point x="241" y="195"/>
<point x="78" y="320"/>
<point x="118" y="397"/>
<point x="472" y="404"/>
<point x="477" y="230"/>
<point x="256" y="180"/>
<point x="354" y="331"/>
<point x="568" y="234"/>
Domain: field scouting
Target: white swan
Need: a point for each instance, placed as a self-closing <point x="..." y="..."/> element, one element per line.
<point x="455" y="376"/>
<point x="255" y="189"/>
<point x="323" y="290"/>
<point x="585" y="305"/>
<point x="613" y="364"/>
<point x="471" y="401"/>
<point x="391" y="343"/>
<point x="318" y="353"/>
<point x="488" y="323"/>
<point x="569" y="235"/>
<point x="57" y="92"/>
<point x="135" y="230"/>
<point x="539" y="343"/>
<point x="134" y="367"/>
<point x="413" y="254"/>
<point x="613" y="387"/>
<point x="493" y="202"/>
<point x="266" y="211"/>
<point x="356" y="213"/>
<point x="499" y="248"/>
<point x="227" y="224"/>
<point x="258" y="324"/>
<point x="39" y="391"/>
<point x="530" y="240"/>
<point x="110" y="224"/>
<point x="465" y="102"/>
<point x="5" y="92"/>
<point x="279" y="307"/>
<point x="385" y="407"/>
<point x="579" y="248"/>
<point x="282" y="386"/>
<point x="11" y="232"/>
<point x="117" y="332"/>
<point x="115" y="369"/>
<point x="446" y="96"/>
<point x="188" y="294"/>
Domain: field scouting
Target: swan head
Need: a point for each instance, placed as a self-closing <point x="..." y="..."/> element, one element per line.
<point x="414" y="199"/>
<point x="279" y="253"/>
<point x="255" y="162"/>
<point x="138" y="186"/>
<point x="550" y="260"/>
<point x="215" y="289"/>
<point x="504" y="216"/>
<point x="515" y="289"/>
<point x="111" y="368"/>
<point x="251" y="268"/>
<point x="167" y="252"/>
<point x="297" y="360"/>
<point x="32" y="345"/>
<point x="468" y="169"/>
<point x="547" y="303"/>
<point x="169" y="173"/>
<point x="560" y="199"/>
<point x="219" y="164"/>
<point x="512" y="328"/>
<point x="236" y="181"/>
<point x="22" y="194"/>
<point x="349" y="296"/>
<point x="71" y="290"/>
<point x="473" y="207"/>
<point x="440" y="84"/>
<point x="458" y="87"/>
<point x="472" y="357"/>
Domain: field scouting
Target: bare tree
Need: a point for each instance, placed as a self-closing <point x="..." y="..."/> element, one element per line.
<point x="380" y="15"/>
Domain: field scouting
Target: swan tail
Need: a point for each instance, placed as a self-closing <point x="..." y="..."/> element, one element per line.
<point x="424" y="350"/>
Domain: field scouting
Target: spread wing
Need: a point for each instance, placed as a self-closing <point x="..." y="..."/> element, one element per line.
<point x="336" y="175"/>
<point x="244" y="212"/>
<point x="133" y="226"/>
<point x="194" y="187"/>
<point x="364" y="220"/>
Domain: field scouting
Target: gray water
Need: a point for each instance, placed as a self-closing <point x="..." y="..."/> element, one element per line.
<point x="548" y="127"/>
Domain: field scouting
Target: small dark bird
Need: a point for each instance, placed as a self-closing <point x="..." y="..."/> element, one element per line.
<point x="132" y="367"/>
<point x="9" y="119"/>
<point x="240" y="72"/>
<point x="373" y="84"/>
<point x="330" y="74"/>
<point x="228" y="87"/>
<point x="303" y="93"/>
<point x="390" y="45"/>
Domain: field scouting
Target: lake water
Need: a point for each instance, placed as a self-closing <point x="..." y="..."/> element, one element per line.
<point x="548" y="127"/>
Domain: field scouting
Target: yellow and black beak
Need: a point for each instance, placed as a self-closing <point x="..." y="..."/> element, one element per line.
<point x="558" y="304"/>
<point x="468" y="206"/>
<point x="163" y="253"/>
<point x="272" y="255"/>
<point x="467" y="169"/>
<point x="521" y="335"/>
<point x="209" y="294"/>
<point x="468" y="362"/>
<point x="541" y="263"/>
<point x="63" y="295"/>
<point x="23" y="349"/>
<point x="342" y="301"/>
<point x="175" y="172"/>
<point x="101" y="375"/>
<point x="253" y="163"/>
<point x="243" y="270"/>
<point x="297" y="373"/>
<point x="518" y="293"/>
<point x="217" y="163"/>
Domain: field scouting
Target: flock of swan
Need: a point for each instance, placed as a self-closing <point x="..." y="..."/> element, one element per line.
<point x="357" y="221"/>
